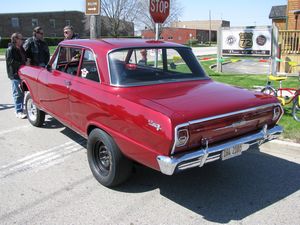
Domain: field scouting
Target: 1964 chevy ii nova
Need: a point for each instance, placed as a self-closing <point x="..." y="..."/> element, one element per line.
<point x="148" y="102"/>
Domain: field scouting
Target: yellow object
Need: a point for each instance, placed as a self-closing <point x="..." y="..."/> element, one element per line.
<point x="176" y="58"/>
<point x="281" y="100"/>
<point x="298" y="100"/>
<point x="234" y="60"/>
<point x="291" y="63"/>
<point x="271" y="77"/>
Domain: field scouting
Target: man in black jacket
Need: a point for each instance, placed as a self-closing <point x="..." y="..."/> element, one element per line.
<point x="15" y="57"/>
<point x="36" y="48"/>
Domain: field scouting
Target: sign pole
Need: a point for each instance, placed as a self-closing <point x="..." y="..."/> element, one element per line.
<point x="219" y="54"/>
<point x="156" y="31"/>
<point x="274" y="50"/>
<point x="93" y="33"/>
<point x="156" y="51"/>
<point x="92" y="9"/>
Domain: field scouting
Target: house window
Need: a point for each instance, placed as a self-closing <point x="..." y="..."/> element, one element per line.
<point x="68" y="22"/>
<point x="34" y="22"/>
<point x="15" y="22"/>
<point x="52" y="23"/>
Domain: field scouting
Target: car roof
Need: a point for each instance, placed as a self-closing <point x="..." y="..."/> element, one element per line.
<point x="117" y="43"/>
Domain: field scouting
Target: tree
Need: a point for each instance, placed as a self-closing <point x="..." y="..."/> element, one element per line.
<point x="144" y="19"/>
<point x="137" y="11"/>
<point x="119" y="11"/>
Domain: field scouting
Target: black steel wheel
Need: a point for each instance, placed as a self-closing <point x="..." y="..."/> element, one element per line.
<point x="108" y="165"/>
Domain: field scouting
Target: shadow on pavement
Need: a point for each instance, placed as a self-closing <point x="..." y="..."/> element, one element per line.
<point x="224" y="191"/>
<point x="6" y="106"/>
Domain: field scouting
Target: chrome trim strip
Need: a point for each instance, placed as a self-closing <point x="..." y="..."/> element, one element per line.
<point x="233" y="113"/>
<point x="219" y="117"/>
<point x="171" y="164"/>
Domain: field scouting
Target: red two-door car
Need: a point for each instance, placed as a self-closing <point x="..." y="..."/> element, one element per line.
<point x="146" y="101"/>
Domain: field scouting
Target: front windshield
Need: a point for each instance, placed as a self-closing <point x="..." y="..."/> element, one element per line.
<point x="136" y="66"/>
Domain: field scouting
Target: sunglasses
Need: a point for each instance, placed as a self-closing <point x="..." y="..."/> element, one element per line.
<point x="66" y="32"/>
<point x="40" y="33"/>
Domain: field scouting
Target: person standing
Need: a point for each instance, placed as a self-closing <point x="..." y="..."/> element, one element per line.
<point x="36" y="48"/>
<point x="69" y="33"/>
<point x="15" y="57"/>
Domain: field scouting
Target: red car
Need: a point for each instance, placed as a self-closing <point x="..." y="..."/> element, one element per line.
<point x="148" y="102"/>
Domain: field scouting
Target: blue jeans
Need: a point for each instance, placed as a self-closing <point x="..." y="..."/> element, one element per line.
<point x="18" y="95"/>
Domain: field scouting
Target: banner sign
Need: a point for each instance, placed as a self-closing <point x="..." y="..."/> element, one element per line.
<point x="256" y="41"/>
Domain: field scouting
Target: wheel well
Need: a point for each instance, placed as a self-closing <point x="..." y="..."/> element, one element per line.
<point x="91" y="128"/>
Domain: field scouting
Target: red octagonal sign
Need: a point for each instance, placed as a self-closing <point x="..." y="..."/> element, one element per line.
<point x="159" y="10"/>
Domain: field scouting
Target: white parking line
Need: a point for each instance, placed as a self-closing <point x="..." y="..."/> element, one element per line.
<point x="43" y="159"/>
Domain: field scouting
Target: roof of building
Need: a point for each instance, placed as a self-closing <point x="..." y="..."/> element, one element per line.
<point x="278" y="12"/>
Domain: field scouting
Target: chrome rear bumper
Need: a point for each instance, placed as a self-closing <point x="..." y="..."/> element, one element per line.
<point x="170" y="165"/>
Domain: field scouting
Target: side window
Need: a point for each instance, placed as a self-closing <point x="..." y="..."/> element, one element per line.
<point x="68" y="60"/>
<point x="88" y="68"/>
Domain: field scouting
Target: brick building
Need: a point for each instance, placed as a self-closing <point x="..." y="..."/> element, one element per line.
<point x="54" y="22"/>
<point x="286" y="17"/>
<point x="182" y="35"/>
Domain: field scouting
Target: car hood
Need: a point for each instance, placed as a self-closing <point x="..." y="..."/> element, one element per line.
<point x="196" y="99"/>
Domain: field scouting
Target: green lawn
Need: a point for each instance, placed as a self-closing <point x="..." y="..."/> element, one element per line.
<point x="51" y="48"/>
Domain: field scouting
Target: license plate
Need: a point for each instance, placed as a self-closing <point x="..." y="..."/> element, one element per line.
<point x="231" y="152"/>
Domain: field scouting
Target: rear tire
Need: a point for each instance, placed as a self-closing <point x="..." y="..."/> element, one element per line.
<point x="35" y="116"/>
<point x="107" y="163"/>
<point x="296" y="109"/>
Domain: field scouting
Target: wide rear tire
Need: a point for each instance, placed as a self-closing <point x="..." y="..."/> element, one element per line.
<point x="108" y="165"/>
<point x="35" y="116"/>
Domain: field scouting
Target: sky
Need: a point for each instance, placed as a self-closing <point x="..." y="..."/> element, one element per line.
<point x="238" y="12"/>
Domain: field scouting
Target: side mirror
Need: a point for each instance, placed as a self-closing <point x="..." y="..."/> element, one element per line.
<point x="49" y="67"/>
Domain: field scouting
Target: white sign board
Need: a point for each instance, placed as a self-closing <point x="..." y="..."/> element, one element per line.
<point x="255" y="41"/>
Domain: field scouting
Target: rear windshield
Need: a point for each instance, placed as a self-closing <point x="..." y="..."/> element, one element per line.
<point x="137" y="67"/>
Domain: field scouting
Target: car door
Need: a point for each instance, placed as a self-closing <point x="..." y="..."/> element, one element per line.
<point x="64" y="68"/>
<point x="85" y="92"/>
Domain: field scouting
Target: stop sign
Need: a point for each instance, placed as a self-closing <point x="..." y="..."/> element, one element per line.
<point x="159" y="10"/>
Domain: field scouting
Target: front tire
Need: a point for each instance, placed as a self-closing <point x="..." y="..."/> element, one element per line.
<point x="107" y="163"/>
<point x="296" y="109"/>
<point x="35" y="116"/>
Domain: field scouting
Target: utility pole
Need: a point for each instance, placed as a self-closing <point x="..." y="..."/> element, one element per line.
<point x="93" y="32"/>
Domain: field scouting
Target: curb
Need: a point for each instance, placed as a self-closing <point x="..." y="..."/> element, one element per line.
<point x="282" y="147"/>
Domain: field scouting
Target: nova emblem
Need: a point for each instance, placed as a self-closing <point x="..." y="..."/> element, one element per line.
<point x="155" y="125"/>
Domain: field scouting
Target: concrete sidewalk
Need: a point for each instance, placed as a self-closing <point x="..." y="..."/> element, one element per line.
<point x="289" y="150"/>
